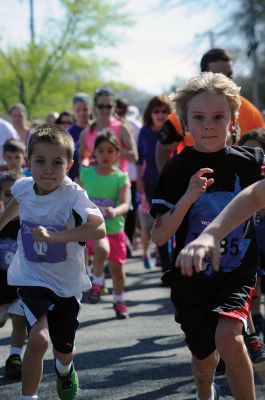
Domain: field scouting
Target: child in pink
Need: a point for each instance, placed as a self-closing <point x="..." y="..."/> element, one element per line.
<point x="108" y="186"/>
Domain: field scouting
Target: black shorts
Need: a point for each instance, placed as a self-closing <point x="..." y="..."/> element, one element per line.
<point x="8" y="293"/>
<point x="62" y="314"/>
<point x="200" y="299"/>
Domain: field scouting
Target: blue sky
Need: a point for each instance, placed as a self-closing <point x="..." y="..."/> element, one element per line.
<point x="160" y="46"/>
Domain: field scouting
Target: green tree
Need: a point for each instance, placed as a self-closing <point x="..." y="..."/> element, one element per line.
<point x="44" y="73"/>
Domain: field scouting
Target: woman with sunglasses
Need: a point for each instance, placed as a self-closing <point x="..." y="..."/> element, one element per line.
<point x="104" y="106"/>
<point x="155" y="115"/>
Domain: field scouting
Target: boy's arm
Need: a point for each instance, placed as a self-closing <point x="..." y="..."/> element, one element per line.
<point x="10" y="212"/>
<point x="242" y="207"/>
<point x="166" y="225"/>
<point x="93" y="229"/>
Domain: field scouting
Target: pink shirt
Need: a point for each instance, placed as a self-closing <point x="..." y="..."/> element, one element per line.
<point x="90" y="137"/>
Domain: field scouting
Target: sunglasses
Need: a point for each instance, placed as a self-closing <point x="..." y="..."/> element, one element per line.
<point x="160" y="111"/>
<point x="104" y="106"/>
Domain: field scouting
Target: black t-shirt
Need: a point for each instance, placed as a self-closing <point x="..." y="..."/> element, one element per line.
<point x="7" y="235"/>
<point x="234" y="169"/>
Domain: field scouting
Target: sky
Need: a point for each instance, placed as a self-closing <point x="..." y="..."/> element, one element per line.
<point x="161" y="46"/>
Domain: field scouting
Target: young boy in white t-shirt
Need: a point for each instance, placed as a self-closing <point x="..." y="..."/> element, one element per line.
<point x="56" y="218"/>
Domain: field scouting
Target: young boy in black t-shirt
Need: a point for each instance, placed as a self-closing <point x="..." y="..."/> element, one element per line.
<point x="9" y="306"/>
<point x="211" y="306"/>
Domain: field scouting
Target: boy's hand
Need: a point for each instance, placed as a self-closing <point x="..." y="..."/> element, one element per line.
<point x="198" y="184"/>
<point x="190" y="258"/>
<point x="41" y="234"/>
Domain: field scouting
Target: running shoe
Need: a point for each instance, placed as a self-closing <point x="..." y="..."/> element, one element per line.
<point x="256" y="348"/>
<point x="67" y="385"/>
<point x="121" y="310"/>
<point x="147" y="262"/>
<point x="94" y="293"/>
<point x="13" y="367"/>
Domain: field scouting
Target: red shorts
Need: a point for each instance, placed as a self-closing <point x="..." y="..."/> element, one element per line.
<point x="117" y="243"/>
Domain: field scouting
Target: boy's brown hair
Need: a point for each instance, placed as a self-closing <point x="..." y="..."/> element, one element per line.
<point x="51" y="134"/>
<point x="13" y="146"/>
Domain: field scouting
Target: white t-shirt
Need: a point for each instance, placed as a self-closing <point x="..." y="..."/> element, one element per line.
<point x="65" y="276"/>
<point x="6" y="132"/>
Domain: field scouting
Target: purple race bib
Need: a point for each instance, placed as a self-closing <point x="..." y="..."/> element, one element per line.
<point x="8" y="249"/>
<point x="103" y="203"/>
<point x="42" y="251"/>
<point x="230" y="246"/>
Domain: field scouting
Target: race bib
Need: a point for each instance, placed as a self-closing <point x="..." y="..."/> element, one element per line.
<point x="42" y="251"/>
<point x="230" y="246"/>
<point x="103" y="203"/>
<point x="8" y="249"/>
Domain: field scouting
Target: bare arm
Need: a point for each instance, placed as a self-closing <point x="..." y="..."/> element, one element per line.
<point x="9" y="213"/>
<point x="242" y="207"/>
<point x="123" y="207"/>
<point x="93" y="229"/>
<point x="167" y="224"/>
<point x="130" y="152"/>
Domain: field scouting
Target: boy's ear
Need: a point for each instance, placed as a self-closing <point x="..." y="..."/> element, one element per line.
<point x="69" y="165"/>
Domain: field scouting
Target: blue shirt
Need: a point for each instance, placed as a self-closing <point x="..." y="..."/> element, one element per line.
<point x="146" y="149"/>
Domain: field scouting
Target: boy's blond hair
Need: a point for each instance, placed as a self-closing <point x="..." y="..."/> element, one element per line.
<point x="51" y="134"/>
<point x="206" y="82"/>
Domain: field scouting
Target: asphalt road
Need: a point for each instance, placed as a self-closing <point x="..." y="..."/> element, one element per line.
<point x="142" y="358"/>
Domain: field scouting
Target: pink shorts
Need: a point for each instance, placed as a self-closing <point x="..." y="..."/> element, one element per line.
<point x="117" y="243"/>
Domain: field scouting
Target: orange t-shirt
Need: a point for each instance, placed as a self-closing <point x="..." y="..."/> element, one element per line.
<point x="249" y="117"/>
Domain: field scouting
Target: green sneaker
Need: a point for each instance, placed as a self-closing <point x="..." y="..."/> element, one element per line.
<point x="67" y="385"/>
